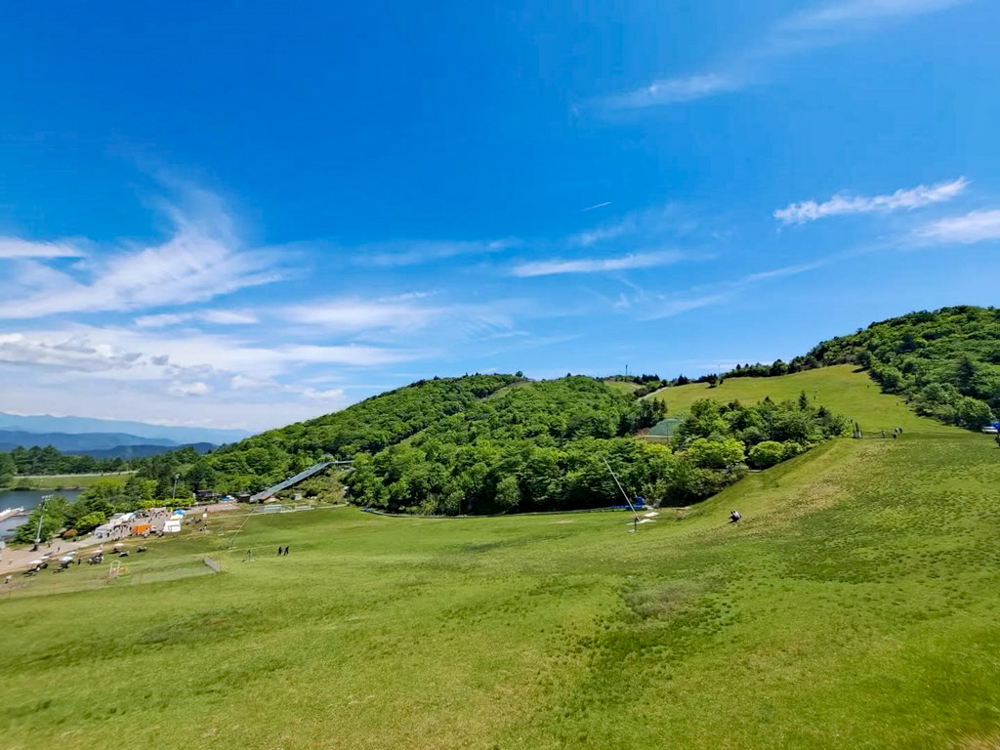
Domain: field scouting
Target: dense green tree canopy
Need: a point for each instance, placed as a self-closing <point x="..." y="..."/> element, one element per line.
<point x="48" y="460"/>
<point x="366" y="427"/>
<point x="7" y="469"/>
<point x="543" y="446"/>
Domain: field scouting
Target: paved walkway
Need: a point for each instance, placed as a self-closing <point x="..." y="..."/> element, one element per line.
<point x="14" y="559"/>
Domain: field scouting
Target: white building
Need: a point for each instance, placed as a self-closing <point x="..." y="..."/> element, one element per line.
<point x="117" y="522"/>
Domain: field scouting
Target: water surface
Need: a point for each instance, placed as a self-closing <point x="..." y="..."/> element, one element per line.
<point x="26" y="499"/>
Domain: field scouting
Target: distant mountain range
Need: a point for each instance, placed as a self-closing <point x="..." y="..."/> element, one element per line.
<point x="136" y="432"/>
<point x="82" y="443"/>
<point x="96" y="444"/>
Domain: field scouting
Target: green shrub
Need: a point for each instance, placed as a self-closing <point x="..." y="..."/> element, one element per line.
<point x="767" y="454"/>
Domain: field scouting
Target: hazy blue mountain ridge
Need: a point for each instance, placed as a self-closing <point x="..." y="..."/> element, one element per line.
<point x="139" y="432"/>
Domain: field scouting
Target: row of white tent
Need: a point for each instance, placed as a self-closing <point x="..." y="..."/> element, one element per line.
<point x="116" y="522"/>
<point x="120" y="520"/>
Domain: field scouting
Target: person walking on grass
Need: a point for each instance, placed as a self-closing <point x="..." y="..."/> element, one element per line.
<point x="286" y="551"/>
<point x="279" y="551"/>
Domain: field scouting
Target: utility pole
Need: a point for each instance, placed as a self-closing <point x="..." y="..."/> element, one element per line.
<point x="41" y="516"/>
<point x="173" y="492"/>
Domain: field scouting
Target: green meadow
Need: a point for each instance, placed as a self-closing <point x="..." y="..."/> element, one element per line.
<point x="62" y="481"/>
<point x="841" y="388"/>
<point x="855" y="606"/>
<point x="620" y="386"/>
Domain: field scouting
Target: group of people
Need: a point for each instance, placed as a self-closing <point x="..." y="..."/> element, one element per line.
<point x="282" y="551"/>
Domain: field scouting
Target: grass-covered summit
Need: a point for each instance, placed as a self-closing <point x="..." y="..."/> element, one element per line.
<point x="946" y="363"/>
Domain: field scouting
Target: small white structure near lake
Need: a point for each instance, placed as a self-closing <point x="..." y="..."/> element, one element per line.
<point x="172" y="525"/>
<point x="116" y="523"/>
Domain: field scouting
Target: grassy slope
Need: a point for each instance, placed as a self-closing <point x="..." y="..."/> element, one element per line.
<point x="619" y="386"/>
<point x="840" y="388"/>
<point x="856" y="607"/>
<point x="63" y="481"/>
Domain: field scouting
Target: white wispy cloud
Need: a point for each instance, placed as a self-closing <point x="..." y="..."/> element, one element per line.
<point x="230" y="317"/>
<point x="842" y="204"/>
<point x="668" y="305"/>
<point x="196" y="388"/>
<point x="973" y="227"/>
<point x="416" y="252"/>
<point x="827" y="24"/>
<point x="597" y="265"/>
<point x="202" y="260"/>
<point x="68" y="351"/>
<point x="854" y="12"/>
<point x="217" y="317"/>
<point x="353" y="355"/>
<point x="250" y="409"/>
<point x="14" y="247"/>
<point x="146" y="355"/>
<point x="610" y="231"/>
<point x="646" y="227"/>
<point x="354" y="314"/>
<point x="678" y="90"/>
<point x="400" y="319"/>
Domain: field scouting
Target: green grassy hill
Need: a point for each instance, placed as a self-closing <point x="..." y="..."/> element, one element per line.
<point x="946" y="362"/>
<point x="854" y="607"/>
<point x="841" y="388"/>
<point x="625" y="387"/>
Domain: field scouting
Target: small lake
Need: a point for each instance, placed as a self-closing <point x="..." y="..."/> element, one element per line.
<point x="26" y="499"/>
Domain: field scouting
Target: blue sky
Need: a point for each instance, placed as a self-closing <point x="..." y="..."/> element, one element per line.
<point x="245" y="214"/>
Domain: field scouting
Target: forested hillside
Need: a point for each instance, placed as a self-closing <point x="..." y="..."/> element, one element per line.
<point x="48" y="460"/>
<point x="947" y="362"/>
<point x="543" y="446"/>
<point x="366" y="427"/>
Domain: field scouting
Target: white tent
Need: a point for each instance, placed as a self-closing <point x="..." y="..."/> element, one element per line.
<point x="171" y="526"/>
